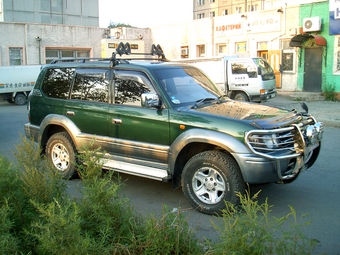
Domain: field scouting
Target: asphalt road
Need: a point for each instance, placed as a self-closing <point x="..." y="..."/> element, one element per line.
<point x="315" y="193"/>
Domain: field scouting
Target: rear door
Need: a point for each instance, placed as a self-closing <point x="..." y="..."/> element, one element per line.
<point x="88" y="105"/>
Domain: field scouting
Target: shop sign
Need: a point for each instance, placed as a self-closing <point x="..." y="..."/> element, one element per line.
<point x="334" y="17"/>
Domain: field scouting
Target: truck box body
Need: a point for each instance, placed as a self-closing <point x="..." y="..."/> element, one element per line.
<point x="249" y="79"/>
<point x="17" y="81"/>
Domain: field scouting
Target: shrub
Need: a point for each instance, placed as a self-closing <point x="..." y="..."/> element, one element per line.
<point x="249" y="229"/>
<point x="170" y="234"/>
<point x="38" y="216"/>
<point x="329" y="92"/>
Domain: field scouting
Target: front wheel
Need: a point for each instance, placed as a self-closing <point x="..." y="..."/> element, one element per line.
<point x="209" y="179"/>
<point x="241" y="96"/>
<point x="62" y="153"/>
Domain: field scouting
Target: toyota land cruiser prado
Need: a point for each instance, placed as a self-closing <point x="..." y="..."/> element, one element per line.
<point x="167" y="121"/>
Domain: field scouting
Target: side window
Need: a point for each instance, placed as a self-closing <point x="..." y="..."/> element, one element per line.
<point x="57" y="82"/>
<point x="91" y="85"/>
<point x="244" y="68"/>
<point x="129" y="86"/>
<point x="239" y="68"/>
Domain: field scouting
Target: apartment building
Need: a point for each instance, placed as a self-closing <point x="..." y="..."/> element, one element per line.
<point x="213" y="8"/>
<point x="62" y="12"/>
<point x="299" y="38"/>
<point x="42" y="30"/>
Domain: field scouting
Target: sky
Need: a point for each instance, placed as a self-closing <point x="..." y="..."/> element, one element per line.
<point x="144" y="13"/>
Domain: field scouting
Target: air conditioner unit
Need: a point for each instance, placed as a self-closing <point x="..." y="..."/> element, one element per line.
<point x="311" y="24"/>
<point x="184" y="51"/>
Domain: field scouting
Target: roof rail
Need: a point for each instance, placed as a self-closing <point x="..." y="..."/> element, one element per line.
<point x="80" y="60"/>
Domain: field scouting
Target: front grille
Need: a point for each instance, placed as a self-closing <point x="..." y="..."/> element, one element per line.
<point x="286" y="142"/>
<point x="280" y="141"/>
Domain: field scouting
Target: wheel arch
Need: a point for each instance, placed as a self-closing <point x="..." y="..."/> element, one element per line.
<point x="195" y="141"/>
<point x="57" y="123"/>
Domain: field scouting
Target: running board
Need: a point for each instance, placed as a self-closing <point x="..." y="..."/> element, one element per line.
<point x="137" y="170"/>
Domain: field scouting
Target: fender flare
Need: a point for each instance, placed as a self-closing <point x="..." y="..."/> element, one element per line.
<point x="196" y="135"/>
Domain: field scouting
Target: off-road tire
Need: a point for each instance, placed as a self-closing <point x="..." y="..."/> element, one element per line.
<point x="61" y="152"/>
<point x="209" y="179"/>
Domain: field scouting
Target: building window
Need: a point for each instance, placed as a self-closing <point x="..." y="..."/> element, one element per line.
<point x="201" y="50"/>
<point x="200" y="16"/>
<point x="200" y="2"/>
<point x="241" y="47"/>
<point x="288" y="57"/>
<point x="221" y="49"/>
<point x="336" y="64"/>
<point x="212" y="14"/>
<point x="238" y="9"/>
<point x="225" y="12"/>
<point x="15" y="56"/>
<point x="252" y="8"/>
<point x="65" y="53"/>
<point x="185" y="52"/>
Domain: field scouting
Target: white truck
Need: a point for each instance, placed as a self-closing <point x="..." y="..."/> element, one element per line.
<point x="16" y="82"/>
<point x="247" y="79"/>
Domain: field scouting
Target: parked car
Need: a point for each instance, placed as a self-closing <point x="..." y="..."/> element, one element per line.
<point x="167" y="121"/>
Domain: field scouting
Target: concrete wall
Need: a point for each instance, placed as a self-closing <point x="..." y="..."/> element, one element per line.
<point x="52" y="36"/>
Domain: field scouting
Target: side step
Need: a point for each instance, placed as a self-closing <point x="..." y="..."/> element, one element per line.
<point x="160" y="173"/>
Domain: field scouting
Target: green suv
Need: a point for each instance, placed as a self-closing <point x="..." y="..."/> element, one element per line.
<point x="167" y="121"/>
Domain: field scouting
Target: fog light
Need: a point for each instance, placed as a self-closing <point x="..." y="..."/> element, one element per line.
<point x="311" y="134"/>
<point x="319" y="128"/>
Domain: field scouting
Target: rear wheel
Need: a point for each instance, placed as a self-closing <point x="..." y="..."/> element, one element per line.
<point x="61" y="151"/>
<point x="241" y="96"/>
<point x="209" y="179"/>
<point x="20" y="99"/>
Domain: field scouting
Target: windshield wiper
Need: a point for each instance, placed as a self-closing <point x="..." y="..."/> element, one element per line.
<point x="203" y="101"/>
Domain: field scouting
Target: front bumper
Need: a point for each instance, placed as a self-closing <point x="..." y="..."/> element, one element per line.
<point x="280" y="155"/>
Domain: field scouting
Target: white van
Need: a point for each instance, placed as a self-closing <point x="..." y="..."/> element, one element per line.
<point x="16" y="82"/>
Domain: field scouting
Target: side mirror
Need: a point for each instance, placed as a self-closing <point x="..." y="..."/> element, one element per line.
<point x="150" y="100"/>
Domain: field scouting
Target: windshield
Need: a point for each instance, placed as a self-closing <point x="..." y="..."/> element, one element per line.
<point x="186" y="85"/>
<point x="266" y="70"/>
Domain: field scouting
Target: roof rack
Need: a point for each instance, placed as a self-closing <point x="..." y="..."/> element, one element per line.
<point x="122" y="49"/>
<point x="126" y="49"/>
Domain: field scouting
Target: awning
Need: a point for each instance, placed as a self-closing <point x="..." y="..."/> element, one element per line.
<point x="297" y="40"/>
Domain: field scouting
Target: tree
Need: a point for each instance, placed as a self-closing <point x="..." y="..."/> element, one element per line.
<point x="117" y="24"/>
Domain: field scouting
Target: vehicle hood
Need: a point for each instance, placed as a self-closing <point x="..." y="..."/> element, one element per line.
<point x="260" y="116"/>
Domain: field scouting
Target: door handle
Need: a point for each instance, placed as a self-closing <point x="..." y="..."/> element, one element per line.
<point x="116" y="121"/>
<point x="70" y="113"/>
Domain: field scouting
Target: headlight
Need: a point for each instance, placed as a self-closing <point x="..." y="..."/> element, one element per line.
<point x="270" y="141"/>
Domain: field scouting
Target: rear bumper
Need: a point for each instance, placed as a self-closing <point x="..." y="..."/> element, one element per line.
<point x="32" y="132"/>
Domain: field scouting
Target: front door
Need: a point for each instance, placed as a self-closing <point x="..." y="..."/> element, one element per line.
<point x="274" y="57"/>
<point x="313" y="70"/>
